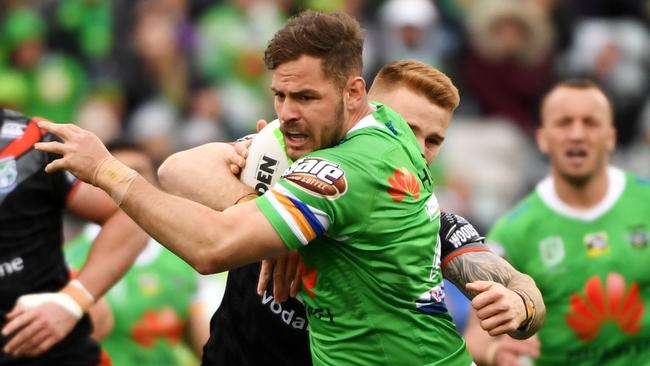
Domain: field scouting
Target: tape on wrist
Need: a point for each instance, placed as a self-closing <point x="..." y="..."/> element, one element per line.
<point x="77" y="292"/>
<point x="115" y="178"/>
<point x="28" y="302"/>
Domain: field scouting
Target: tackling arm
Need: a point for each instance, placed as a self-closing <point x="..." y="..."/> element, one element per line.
<point x="201" y="173"/>
<point x="506" y="300"/>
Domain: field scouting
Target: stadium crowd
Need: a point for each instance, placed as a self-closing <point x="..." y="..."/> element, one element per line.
<point x="168" y="75"/>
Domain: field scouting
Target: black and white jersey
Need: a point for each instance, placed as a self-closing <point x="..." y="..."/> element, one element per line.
<point x="31" y="232"/>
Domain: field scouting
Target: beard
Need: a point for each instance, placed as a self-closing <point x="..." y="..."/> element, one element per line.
<point x="333" y="136"/>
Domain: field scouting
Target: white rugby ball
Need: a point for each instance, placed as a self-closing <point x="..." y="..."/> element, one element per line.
<point x="267" y="159"/>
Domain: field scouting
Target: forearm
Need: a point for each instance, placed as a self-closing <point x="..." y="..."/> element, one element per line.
<point x="199" y="174"/>
<point x="486" y="266"/>
<point x="121" y="240"/>
<point x="479" y="343"/>
<point x="187" y="228"/>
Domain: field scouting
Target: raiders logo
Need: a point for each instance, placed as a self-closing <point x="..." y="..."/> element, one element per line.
<point x="318" y="177"/>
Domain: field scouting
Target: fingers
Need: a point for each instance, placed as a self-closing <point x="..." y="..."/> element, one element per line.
<point x="297" y="279"/>
<point x="20" y="329"/>
<point x="17" y="310"/>
<point x="280" y="287"/>
<point x="266" y="272"/>
<point x="45" y="345"/>
<point x="235" y="169"/>
<point x="60" y="130"/>
<point x="260" y="125"/>
<point x="479" y="286"/>
<point x="18" y="322"/>
<point x="53" y="147"/>
<point x="499" y="324"/>
<point x="241" y="148"/>
<point x="29" y="344"/>
<point x="55" y="165"/>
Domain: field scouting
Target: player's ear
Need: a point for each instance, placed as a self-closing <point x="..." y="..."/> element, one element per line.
<point x="540" y="136"/>
<point x="611" y="141"/>
<point x="355" y="92"/>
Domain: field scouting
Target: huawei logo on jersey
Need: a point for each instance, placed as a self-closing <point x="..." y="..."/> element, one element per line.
<point x="598" y="305"/>
<point x="403" y="183"/>
<point x="309" y="279"/>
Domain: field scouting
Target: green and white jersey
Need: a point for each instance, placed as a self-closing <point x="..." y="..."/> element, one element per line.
<point x="591" y="267"/>
<point x="151" y="305"/>
<point x="365" y="221"/>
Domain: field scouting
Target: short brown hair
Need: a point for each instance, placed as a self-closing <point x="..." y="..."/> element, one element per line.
<point x="419" y="77"/>
<point x="335" y="38"/>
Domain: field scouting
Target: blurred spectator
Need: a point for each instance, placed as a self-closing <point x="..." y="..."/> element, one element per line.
<point x="203" y="123"/>
<point x="615" y="53"/>
<point x="509" y="61"/>
<point x="102" y="112"/>
<point x="231" y="41"/>
<point x="157" y="64"/>
<point x="411" y="31"/>
<point x="83" y="28"/>
<point x="153" y="126"/>
<point x="636" y="157"/>
<point x="56" y="82"/>
<point x="495" y="164"/>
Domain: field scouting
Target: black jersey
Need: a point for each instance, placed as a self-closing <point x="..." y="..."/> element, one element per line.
<point x="31" y="233"/>
<point x="249" y="330"/>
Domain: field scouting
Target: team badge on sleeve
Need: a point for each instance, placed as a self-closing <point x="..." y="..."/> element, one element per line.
<point x="318" y="177"/>
<point x="8" y="174"/>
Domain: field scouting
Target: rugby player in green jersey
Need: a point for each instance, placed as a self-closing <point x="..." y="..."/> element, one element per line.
<point x="359" y="205"/>
<point x="582" y="234"/>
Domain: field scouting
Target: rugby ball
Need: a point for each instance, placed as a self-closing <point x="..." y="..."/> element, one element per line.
<point x="267" y="159"/>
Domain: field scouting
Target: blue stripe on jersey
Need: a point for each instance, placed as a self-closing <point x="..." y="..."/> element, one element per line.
<point x="311" y="218"/>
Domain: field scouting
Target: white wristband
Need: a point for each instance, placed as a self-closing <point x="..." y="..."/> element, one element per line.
<point x="28" y="302"/>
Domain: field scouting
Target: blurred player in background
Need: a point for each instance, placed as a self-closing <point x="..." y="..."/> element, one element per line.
<point x="583" y="236"/>
<point x="161" y="307"/>
<point x="41" y="309"/>
<point x="362" y="294"/>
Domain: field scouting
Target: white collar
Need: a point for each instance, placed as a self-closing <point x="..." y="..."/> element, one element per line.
<point x="367" y="121"/>
<point x="615" y="188"/>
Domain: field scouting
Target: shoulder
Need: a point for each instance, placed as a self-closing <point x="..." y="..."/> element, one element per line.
<point x="513" y="224"/>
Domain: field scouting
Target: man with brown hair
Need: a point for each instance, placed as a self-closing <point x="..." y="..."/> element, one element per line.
<point x="372" y="289"/>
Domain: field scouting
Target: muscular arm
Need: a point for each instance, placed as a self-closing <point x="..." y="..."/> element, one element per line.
<point x="208" y="240"/>
<point x="470" y="267"/>
<point x="200" y="174"/>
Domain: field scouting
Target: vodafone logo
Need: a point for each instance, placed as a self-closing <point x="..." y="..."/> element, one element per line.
<point x="318" y="177"/>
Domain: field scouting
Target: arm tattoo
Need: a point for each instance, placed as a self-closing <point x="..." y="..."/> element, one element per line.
<point x="487" y="266"/>
<point x="478" y="266"/>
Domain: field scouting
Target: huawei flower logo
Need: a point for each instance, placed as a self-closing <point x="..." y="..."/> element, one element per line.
<point x="598" y="305"/>
<point x="402" y="183"/>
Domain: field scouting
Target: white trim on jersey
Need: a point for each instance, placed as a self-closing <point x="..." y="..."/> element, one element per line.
<point x="289" y="217"/>
<point x="367" y="121"/>
<point x="616" y="186"/>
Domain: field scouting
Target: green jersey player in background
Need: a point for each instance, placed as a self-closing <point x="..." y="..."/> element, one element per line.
<point x="375" y="300"/>
<point x="583" y="236"/>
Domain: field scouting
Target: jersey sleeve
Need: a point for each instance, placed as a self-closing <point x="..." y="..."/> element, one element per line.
<point x="318" y="195"/>
<point x="458" y="236"/>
